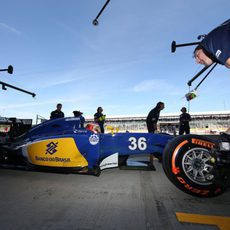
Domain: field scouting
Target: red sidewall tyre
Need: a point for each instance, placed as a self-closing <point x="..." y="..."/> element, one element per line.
<point x="186" y="164"/>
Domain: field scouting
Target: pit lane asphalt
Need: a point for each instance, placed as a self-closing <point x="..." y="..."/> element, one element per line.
<point x="118" y="199"/>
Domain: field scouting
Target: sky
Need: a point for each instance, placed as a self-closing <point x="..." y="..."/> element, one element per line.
<point x="124" y="64"/>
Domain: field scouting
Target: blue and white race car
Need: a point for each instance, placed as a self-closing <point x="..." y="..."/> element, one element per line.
<point x="191" y="162"/>
<point x="60" y="144"/>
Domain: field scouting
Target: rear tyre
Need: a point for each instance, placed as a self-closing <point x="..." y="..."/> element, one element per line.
<point x="189" y="164"/>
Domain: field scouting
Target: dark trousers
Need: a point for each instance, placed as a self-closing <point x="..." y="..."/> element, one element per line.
<point x="102" y="128"/>
<point x="150" y="127"/>
<point x="184" y="129"/>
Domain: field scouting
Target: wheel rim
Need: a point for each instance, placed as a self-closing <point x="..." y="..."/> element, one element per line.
<point x="197" y="167"/>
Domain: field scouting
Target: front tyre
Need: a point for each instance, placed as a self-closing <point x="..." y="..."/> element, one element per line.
<point x="189" y="164"/>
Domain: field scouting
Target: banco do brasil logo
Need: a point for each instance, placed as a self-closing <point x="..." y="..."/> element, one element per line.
<point x="51" y="148"/>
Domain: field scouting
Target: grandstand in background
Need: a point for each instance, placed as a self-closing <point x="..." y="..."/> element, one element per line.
<point x="202" y="122"/>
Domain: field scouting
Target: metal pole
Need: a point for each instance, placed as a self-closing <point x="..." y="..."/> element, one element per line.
<point x="206" y="75"/>
<point x="95" y="21"/>
<point x="174" y="45"/>
<point x="197" y="75"/>
<point x="4" y="85"/>
<point x="9" y="69"/>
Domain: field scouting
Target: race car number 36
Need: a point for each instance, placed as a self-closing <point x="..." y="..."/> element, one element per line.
<point x="137" y="143"/>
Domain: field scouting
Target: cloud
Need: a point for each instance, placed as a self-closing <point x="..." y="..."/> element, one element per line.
<point x="80" y="36"/>
<point x="149" y="85"/>
<point x="57" y="82"/>
<point x="51" y="101"/>
<point x="9" y="28"/>
<point x="156" y="85"/>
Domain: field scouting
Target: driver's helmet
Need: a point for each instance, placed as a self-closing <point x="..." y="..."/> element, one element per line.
<point x="93" y="127"/>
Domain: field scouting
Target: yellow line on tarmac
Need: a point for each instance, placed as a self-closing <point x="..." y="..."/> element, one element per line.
<point x="222" y="222"/>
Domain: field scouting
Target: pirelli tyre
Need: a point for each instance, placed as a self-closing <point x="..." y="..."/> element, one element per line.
<point x="189" y="164"/>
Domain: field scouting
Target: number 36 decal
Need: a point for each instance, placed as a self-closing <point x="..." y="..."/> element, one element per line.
<point x="137" y="143"/>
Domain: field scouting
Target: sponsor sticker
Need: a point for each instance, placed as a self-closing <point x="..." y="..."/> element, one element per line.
<point x="53" y="159"/>
<point x="93" y="139"/>
<point x="51" y="148"/>
<point x="218" y="52"/>
<point x="72" y="119"/>
<point x="203" y="143"/>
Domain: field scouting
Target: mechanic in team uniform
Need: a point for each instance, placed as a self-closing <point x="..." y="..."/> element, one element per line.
<point x="57" y="113"/>
<point x="215" y="47"/>
<point x="153" y="117"/>
<point x="151" y="122"/>
<point x="185" y="118"/>
<point x="99" y="118"/>
<point x="82" y="119"/>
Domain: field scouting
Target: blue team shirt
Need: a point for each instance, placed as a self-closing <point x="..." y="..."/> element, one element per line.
<point x="217" y="42"/>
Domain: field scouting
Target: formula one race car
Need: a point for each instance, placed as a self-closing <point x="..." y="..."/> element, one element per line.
<point x="195" y="164"/>
<point x="61" y="145"/>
